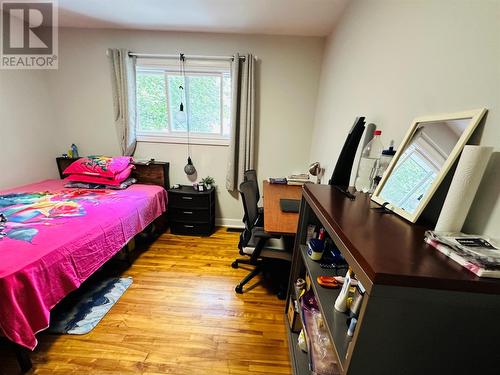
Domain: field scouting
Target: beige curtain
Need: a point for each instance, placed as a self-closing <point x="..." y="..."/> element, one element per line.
<point x="241" y="146"/>
<point x="124" y="97"/>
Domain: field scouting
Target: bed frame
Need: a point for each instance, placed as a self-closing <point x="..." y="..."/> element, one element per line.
<point x="152" y="173"/>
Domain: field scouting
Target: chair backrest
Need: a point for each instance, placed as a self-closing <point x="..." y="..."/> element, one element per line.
<point x="251" y="175"/>
<point x="249" y="199"/>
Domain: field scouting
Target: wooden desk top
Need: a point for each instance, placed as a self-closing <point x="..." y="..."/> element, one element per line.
<point x="276" y="221"/>
<point x="390" y="250"/>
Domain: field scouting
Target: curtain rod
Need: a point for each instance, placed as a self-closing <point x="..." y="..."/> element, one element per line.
<point x="195" y="57"/>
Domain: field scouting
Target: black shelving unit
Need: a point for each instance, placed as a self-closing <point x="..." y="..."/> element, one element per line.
<point x="335" y="321"/>
<point x="299" y="359"/>
<point x="419" y="311"/>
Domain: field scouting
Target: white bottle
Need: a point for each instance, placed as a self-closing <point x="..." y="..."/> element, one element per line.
<point x="341" y="301"/>
<point x="368" y="163"/>
<point x="385" y="160"/>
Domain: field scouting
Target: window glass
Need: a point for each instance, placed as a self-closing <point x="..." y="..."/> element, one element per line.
<point x="176" y="95"/>
<point x="204" y="104"/>
<point x="206" y="98"/>
<point x="151" y="101"/>
<point x="226" y="105"/>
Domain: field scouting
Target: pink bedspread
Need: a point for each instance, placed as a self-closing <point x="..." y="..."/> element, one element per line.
<point x="55" y="238"/>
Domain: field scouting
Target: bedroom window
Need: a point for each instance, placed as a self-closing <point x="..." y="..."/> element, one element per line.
<point x="207" y="104"/>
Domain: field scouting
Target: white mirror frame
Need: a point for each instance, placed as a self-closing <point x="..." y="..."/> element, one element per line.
<point x="474" y="115"/>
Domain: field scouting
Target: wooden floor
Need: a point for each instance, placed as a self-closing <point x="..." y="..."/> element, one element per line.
<point x="180" y="316"/>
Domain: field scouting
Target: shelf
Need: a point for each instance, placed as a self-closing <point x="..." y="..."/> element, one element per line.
<point x="299" y="359"/>
<point x="334" y="320"/>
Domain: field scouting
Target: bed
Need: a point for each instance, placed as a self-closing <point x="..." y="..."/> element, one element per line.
<point x="56" y="237"/>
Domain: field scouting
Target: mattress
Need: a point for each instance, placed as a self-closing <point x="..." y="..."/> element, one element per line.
<point x="55" y="238"/>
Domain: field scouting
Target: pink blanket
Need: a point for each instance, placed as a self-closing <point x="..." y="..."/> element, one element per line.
<point x="55" y="238"/>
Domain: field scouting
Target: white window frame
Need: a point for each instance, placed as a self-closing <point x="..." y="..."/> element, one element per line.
<point x="193" y="68"/>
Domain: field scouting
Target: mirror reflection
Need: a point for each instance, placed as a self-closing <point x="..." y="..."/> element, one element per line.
<point x="421" y="161"/>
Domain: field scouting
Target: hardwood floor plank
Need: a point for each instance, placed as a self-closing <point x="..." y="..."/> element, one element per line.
<point x="180" y="316"/>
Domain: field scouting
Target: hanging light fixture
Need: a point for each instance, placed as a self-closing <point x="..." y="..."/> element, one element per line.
<point x="181" y="116"/>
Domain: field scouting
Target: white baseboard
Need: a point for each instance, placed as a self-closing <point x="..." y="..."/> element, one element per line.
<point x="231" y="223"/>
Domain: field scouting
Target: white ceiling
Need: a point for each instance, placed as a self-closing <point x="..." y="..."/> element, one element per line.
<point x="283" y="17"/>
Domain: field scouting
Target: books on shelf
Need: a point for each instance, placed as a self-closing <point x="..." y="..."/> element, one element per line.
<point x="300" y="176"/>
<point x="476" y="253"/>
<point x="298" y="182"/>
<point x="294" y="179"/>
<point x="298" y="179"/>
<point x="278" y="180"/>
<point x="143" y="161"/>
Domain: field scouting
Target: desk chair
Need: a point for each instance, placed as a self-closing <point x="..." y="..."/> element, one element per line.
<point x="251" y="175"/>
<point x="257" y="244"/>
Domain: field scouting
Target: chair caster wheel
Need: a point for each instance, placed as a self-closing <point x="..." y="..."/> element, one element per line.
<point x="238" y="289"/>
<point x="234" y="264"/>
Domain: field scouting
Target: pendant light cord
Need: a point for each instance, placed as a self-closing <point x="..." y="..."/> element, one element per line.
<point x="182" y="59"/>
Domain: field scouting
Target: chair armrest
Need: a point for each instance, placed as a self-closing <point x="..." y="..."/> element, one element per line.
<point x="259" y="232"/>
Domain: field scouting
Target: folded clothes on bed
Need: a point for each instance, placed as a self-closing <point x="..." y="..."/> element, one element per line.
<point x="100" y="166"/>
<point x="86" y="185"/>
<point x="112" y="181"/>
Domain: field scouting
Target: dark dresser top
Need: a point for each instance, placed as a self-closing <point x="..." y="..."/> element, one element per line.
<point x="390" y="250"/>
<point x="188" y="189"/>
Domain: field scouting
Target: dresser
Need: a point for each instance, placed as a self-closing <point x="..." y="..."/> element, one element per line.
<point x="191" y="212"/>
<point x="422" y="313"/>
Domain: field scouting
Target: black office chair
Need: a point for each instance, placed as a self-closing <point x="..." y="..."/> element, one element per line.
<point x="251" y="217"/>
<point x="251" y="175"/>
<point x="255" y="242"/>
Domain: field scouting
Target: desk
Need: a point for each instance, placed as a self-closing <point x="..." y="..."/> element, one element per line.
<point x="276" y="221"/>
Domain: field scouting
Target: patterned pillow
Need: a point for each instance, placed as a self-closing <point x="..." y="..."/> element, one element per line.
<point x="101" y="166"/>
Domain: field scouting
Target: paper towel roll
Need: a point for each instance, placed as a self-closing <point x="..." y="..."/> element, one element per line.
<point x="463" y="188"/>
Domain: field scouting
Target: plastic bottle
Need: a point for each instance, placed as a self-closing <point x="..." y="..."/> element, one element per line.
<point x="368" y="163"/>
<point x="385" y="160"/>
<point x="74" y="151"/>
<point x="341" y="301"/>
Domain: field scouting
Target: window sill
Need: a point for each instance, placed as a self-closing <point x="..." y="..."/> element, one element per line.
<point x="153" y="138"/>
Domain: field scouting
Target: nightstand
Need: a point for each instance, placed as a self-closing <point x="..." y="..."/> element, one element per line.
<point x="191" y="212"/>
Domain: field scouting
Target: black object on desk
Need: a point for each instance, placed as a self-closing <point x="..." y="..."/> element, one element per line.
<point x="290" y="205"/>
<point x="191" y="212"/>
<point x="342" y="172"/>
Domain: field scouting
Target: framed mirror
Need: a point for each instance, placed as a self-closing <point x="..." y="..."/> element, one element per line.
<point x="428" y="151"/>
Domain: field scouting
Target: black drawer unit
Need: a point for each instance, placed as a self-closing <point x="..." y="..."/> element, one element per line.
<point x="191" y="229"/>
<point x="191" y="212"/>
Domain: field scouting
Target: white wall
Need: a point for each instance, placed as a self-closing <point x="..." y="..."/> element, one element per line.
<point x="27" y="128"/>
<point x="394" y="60"/>
<point x="288" y="67"/>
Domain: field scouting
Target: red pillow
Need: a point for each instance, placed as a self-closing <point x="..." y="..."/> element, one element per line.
<point x="101" y="166"/>
<point x="116" y="181"/>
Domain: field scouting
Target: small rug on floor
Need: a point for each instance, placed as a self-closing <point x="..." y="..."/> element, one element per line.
<point x="81" y="312"/>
